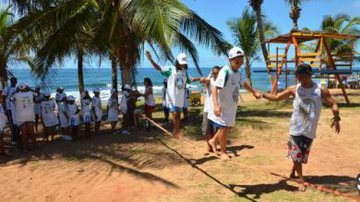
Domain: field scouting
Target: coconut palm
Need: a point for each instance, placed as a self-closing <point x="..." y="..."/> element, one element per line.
<point x="125" y="25"/>
<point x="343" y="24"/>
<point x="256" y="6"/>
<point x="12" y="48"/>
<point x="295" y="10"/>
<point x="245" y="32"/>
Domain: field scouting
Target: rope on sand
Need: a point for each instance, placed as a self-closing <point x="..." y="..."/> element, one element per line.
<point x="318" y="187"/>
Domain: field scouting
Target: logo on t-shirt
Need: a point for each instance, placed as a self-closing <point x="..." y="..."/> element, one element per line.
<point x="179" y="82"/>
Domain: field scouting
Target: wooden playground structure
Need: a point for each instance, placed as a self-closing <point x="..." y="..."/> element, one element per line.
<point x="323" y="60"/>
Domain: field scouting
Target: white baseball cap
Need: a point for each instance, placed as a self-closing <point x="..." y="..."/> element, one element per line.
<point x="71" y="98"/>
<point x="235" y="52"/>
<point x="47" y="94"/>
<point x="127" y="87"/>
<point x="181" y="58"/>
<point x="22" y="86"/>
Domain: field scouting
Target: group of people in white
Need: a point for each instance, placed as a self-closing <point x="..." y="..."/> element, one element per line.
<point x="222" y="93"/>
<point x="25" y="107"/>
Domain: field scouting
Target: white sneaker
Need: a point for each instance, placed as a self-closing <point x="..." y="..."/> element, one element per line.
<point x="125" y="132"/>
<point x="13" y="143"/>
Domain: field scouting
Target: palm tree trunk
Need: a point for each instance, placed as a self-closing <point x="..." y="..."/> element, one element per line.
<point x="248" y="70"/>
<point x="3" y="72"/>
<point x="80" y="58"/>
<point x="256" y="5"/>
<point x="114" y="82"/>
<point x="127" y="76"/>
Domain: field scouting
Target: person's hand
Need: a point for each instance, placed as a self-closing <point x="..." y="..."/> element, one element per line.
<point x="148" y="55"/>
<point x="258" y="95"/>
<point x="217" y="110"/>
<point x="336" y="123"/>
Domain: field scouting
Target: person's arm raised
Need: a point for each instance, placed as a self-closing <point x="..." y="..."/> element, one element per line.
<point x="153" y="63"/>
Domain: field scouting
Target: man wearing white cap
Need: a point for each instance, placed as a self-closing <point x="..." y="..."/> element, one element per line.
<point x="48" y="116"/>
<point x="25" y="115"/>
<point x="73" y="114"/>
<point x="225" y="97"/>
<point x="96" y="109"/>
<point x="175" y="93"/>
<point x="60" y="94"/>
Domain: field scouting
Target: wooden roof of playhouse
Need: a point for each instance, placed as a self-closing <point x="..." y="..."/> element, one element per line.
<point x="322" y="57"/>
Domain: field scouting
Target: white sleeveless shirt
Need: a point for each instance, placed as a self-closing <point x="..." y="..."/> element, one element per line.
<point x="307" y="108"/>
<point x="149" y="99"/>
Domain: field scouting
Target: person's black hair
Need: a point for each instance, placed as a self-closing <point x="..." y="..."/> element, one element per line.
<point x="148" y="80"/>
<point x="303" y="69"/>
<point x="216" y="67"/>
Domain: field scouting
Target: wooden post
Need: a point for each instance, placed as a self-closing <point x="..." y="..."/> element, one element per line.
<point x="331" y="60"/>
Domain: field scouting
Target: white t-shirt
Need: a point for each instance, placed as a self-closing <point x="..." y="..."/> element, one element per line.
<point x="307" y="108"/>
<point x="149" y="99"/>
<point x="37" y="103"/>
<point x="113" y="109"/>
<point x="73" y="115"/>
<point x="229" y="83"/>
<point x="2" y="117"/>
<point x="48" y="113"/>
<point x="96" y="105"/>
<point x="208" y="97"/>
<point x="9" y="93"/>
<point x="59" y="96"/>
<point x="86" y="110"/>
<point x="175" y="85"/>
<point x="24" y="107"/>
<point x="62" y="110"/>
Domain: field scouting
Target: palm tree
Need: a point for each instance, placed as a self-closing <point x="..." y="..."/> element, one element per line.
<point x="12" y="47"/>
<point x="343" y="24"/>
<point x="126" y="25"/>
<point x="245" y="32"/>
<point x="294" y="13"/>
<point x="256" y="6"/>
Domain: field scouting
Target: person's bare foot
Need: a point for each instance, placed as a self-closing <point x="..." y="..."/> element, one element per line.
<point x="301" y="186"/>
<point x="224" y="156"/>
<point x="212" y="144"/>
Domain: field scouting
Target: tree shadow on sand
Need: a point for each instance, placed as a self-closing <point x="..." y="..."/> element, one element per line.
<point x="336" y="185"/>
<point x="124" y="153"/>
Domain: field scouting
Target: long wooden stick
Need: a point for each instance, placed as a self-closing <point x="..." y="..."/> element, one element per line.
<point x="158" y="126"/>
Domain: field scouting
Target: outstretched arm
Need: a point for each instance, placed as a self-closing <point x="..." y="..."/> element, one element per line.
<point x="330" y="101"/>
<point x="280" y="96"/>
<point x="251" y="90"/>
<point x="154" y="64"/>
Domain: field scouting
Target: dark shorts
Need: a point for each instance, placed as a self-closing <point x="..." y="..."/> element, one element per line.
<point x="299" y="148"/>
<point x="207" y="128"/>
<point x="216" y="125"/>
<point x="149" y="108"/>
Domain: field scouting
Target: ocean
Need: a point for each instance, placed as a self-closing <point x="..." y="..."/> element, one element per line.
<point x="101" y="78"/>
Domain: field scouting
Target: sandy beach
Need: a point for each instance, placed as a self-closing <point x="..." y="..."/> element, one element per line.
<point x="148" y="166"/>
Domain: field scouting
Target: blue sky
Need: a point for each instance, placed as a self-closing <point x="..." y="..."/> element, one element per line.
<point x="218" y="12"/>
